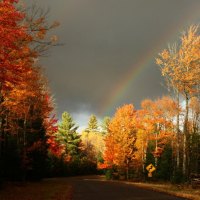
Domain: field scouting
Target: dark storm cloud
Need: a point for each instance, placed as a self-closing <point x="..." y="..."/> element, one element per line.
<point x="103" y="40"/>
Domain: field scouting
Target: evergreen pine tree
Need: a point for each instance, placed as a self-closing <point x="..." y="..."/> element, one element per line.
<point x="67" y="135"/>
<point x="105" y="124"/>
<point x="92" y="124"/>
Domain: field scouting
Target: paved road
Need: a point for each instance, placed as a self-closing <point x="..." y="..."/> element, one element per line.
<point x="94" y="188"/>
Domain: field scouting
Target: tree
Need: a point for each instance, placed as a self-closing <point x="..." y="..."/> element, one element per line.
<point x="194" y="127"/>
<point x="158" y="119"/>
<point x="93" y="141"/>
<point x="26" y="108"/>
<point x="93" y="145"/>
<point x="23" y="92"/>
<point x="181" y="67"/>
<point x="68" y="137"/>
<point x="13" y="47"/>
<point x="120" y="141"/>
<point x="92" y="124"/>
<point x="13" y="61"/>
<point x="51" y="129"/>
<point x="105" y="124"/>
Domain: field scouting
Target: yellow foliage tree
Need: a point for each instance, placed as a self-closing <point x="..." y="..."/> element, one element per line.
<point x="180" y="66"/>
<point x="120" y="141"/>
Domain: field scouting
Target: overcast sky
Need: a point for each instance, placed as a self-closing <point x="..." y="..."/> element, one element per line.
<point x="109" y="54"/>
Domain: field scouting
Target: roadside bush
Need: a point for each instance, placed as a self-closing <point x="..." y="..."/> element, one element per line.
<point x="178" y="177"/>
<point x="109" y="174"/>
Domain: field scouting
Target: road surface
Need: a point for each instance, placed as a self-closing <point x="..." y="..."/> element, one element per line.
<point x="95" y="188"/>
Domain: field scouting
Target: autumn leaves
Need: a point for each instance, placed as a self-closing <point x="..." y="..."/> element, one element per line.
<point x="131" y="131"/>
<point x="180" y="65"/>
<point x="25" y="103"/>
<point x="164" y="126"/>
<point x="121" y="138"/>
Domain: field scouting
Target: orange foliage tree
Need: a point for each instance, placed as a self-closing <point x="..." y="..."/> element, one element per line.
<point x="24" y="106"/>
<point x="157" y="121"/>
<point x="120" y="141"/>
<point x="27" y="109"/>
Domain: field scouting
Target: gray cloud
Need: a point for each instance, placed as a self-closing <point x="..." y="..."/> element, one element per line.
<point x="103" y="40"/>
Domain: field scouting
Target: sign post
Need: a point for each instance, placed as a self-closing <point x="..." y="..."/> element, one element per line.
<point x="150" y="168"/>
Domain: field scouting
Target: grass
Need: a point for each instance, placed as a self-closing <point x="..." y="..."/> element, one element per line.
<point x="48" y="189"/>
<point x="176" y="190"/>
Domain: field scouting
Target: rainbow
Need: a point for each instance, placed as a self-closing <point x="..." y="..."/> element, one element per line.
<point x="141" y="65"/>
<point x="123" y="86"/>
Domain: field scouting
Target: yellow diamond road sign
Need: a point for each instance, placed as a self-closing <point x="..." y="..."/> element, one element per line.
<point x="150" y="168"/>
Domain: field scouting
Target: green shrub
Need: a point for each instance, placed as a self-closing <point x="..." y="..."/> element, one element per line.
<point x="109" y="174"/>
<point x="178" y="177"/>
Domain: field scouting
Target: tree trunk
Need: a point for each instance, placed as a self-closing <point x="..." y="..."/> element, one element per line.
<point x="24" y="150"/>
<point x="1" y="124"/>
<point x="127" y="169"/>
<point x="156" y="149"/>
<point x="186" y="139"/>
<point x="177" y="136"/>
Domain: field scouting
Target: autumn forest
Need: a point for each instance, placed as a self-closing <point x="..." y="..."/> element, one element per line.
<point x="164" y="133"/>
